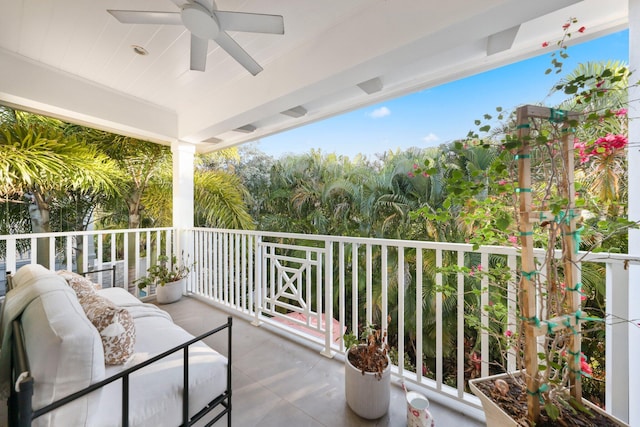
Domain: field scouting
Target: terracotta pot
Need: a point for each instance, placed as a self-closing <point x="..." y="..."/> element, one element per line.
<point x="499" y="418"/>
<point x="170" y="292"/>
<point x="366" y="395"/>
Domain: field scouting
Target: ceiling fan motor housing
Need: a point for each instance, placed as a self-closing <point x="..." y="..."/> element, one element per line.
<point x="201" y="22"/>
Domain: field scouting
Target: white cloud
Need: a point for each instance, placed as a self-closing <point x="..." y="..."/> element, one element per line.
<point x="432" y="137"/>
<point x="379" y="113"/>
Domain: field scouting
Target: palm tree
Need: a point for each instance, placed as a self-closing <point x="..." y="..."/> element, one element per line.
<point x="40" y="162"/>
<point x="219" y="199"/>
<point x="139" y="162"/>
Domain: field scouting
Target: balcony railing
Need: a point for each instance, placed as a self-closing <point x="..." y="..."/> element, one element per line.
<point x="270" y="276"/>
<point x="317" y="287"/>
<point x="82" y="251"/>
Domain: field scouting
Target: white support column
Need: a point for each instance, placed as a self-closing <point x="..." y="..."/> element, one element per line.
<point x="183" y="192"/>
<point x="634" y="211"/>
<point x="617" y="342"/>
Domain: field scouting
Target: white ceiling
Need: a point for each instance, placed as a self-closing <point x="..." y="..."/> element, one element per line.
<point x="71" y="59"/>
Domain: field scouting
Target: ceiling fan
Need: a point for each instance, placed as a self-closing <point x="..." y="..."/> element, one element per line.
<point x="206" y="23"/>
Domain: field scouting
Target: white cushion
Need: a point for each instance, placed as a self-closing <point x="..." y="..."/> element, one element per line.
<point x="119" y="297"/>
<point x="27" y="274"/>
<point x="155" y="397"/>
<point x="65" y="355"/>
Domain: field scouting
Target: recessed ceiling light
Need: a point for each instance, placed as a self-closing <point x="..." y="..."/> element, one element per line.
<point x="139" y="50"/>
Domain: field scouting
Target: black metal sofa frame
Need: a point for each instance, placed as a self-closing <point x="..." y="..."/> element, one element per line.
<point x="21" y="413"/>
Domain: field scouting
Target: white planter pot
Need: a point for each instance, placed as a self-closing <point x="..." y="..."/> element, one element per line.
<point x="170" y="292"/>
<point x="366" y="395"/>
<point x="496" y="417"/>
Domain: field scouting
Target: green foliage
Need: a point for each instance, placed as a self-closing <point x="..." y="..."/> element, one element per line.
<point x="165" y="271"/>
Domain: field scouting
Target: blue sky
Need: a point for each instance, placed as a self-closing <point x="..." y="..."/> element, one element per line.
<point x="444" y="113"/>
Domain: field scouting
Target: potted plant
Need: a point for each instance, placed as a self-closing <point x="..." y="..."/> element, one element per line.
<point x="548" y="337"/>
<point x="542" y="361"/>
<point x="368" y="373"/>
<point x="168" y="277"/>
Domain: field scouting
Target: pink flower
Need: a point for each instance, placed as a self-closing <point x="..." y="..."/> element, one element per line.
<point x="565" y="26"/>
<point x="502" y="182"/>
<point x="621" y="112"/>
<point x="479" y="267"/>
<point x="581" y="29"/>
<point x="545" y="44"/>
<point x="508" y="333"/>
<point x="583" y="297"/>
<point x="426" y="175"/>
<point x="411" y="174"/>
<point x="600" y="83"/>
<point x="585" y="367"/>
<point x="415" y="166"/>
<point x="604" y="147"/>
<point x="610" y="143"/>
<point x="513" y="239"/>
<point x="476" y="360"/>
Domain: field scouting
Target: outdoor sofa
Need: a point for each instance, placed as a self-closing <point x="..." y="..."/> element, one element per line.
<point x="57" y="369"/>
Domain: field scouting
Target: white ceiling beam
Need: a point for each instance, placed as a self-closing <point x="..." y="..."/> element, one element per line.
<point x="31" y="86"/>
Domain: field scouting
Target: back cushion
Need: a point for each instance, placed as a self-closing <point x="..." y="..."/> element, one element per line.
<point x="65" y="355"/>
<point x="29" y="273"/>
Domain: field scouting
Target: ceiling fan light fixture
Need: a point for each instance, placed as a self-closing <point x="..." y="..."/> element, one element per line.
<point x="139" y="50"/>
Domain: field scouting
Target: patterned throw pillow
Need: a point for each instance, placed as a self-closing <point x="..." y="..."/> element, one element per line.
<point x="115" y="325"/>
<point x="80" y="284"/>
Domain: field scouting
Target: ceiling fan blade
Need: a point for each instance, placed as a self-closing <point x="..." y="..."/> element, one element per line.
<point x="227" y="43"/>
<point x="250" y="22"/>
<point x="144" y="17"/>
<point x="199" y="49"/>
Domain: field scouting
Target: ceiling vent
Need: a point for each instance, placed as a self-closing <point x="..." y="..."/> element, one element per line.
<point x="213" y="140"/>
<point x="499" y="42"/>
<point x="295" y="112"/>
<point x="371" y="86"/>
<point x="246" y="129"/>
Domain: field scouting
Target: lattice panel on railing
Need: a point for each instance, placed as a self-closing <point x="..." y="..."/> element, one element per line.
<point x="292" y="281"/>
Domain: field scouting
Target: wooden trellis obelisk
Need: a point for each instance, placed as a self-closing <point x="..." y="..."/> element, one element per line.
<point x="533" y="325"/>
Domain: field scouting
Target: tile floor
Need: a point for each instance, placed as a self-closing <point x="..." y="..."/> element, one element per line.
<point x="281" y="382"/>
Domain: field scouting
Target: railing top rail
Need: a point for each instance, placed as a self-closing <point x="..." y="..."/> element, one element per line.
<point x="81" y="233"/>
<point x="603" y="257"/>
<point x="583" y="256"/>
